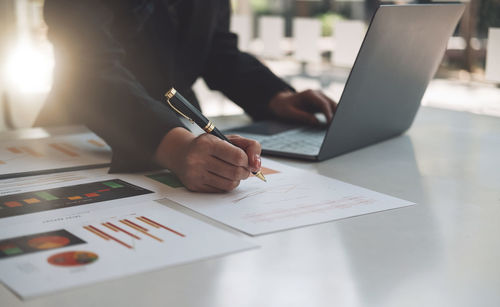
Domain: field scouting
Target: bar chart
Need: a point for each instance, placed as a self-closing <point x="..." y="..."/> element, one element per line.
<point x="138" y="229"/>
<point x="52" y="154"/>
<point x="68" y="196"/>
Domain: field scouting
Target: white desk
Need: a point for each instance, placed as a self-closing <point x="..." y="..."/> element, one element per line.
<point x="445" y="251"/>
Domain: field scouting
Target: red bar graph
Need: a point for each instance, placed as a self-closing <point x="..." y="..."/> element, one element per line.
<point x="155" y="224"/>
<point x="64" y="150"/>
<point x="107" y="235"/>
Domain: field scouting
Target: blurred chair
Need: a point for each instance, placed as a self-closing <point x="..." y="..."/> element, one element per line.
<point x="242" y="25"/>
<point x="493" y="55"/>
<point x="306" y="36"/>
<point x="348" y="37"/>
<point x="272" y="33"/>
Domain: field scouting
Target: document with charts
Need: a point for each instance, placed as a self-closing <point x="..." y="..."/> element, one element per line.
<point x="290" y="198"/>
<point x="66" y="152"/>
<point x="66" y="251"/>
<point x="69" y="229"/>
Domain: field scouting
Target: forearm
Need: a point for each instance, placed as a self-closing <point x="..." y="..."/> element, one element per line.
<point x="239" y="75"/>
<point x="95" y="88"/>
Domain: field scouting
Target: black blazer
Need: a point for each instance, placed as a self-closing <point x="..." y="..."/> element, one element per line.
<point x="116" y="59"/>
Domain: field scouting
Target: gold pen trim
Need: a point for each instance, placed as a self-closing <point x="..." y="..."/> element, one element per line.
<point x="209" y="127"/>
<point x="171" y="93"/>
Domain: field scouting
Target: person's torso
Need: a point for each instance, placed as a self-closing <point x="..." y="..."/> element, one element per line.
<point x="166" y="42"/>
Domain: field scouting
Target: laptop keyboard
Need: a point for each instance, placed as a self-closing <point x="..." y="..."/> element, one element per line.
<point x="301" y="141"/>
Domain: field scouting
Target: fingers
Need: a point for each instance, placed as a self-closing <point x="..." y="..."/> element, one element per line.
<point x="332" y="103"/>
<point x="213" y="183"/>
<point x="299" y="115"/>
<point x="226" y="170"/>
<point x="252" y="149"/>
<point x="212" y="165"/>
<point x="319" y="101"/>
<point x="301" y="106"/>
<point x="228" y="152"/>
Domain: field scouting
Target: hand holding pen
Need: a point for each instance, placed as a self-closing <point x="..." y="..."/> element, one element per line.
<point x="206" y="163"/>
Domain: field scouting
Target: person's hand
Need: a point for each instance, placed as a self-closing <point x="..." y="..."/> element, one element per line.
<point x="300" y="107"/>
<point x="207" y="163"/>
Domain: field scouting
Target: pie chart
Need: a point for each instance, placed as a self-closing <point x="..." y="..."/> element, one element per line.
<point x="48" y="242"/>
<point x="72" y="258"/>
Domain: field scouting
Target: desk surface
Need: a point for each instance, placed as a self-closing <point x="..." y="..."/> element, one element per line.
<point x="444" y="251"/>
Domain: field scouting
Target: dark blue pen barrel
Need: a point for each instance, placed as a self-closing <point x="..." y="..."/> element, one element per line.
<point x="219" y="134"/>
<point x="182" y="106"/>
<point x="190" y="111"/>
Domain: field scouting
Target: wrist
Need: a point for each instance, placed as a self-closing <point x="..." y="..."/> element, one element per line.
<point x="277" y="100"/>
<point x="173" y="147"/>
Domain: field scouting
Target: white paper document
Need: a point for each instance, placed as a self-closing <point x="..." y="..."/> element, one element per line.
<point x="30" y="199"/>
<point x="290" y="198"/>
<point x="32" y="156"/>
<point x="64" y="251"/>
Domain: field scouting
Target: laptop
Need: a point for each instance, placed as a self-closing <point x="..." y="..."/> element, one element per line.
<point x="400" y="54"/>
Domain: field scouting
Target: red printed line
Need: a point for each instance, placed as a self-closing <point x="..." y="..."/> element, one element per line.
<point x="110" y="236"/>
<point x="165" y="227"/>
<point x="140" y="227"/>
<point x="70" y="146"/>
<point x="132" y="225"/>
<point x="14" y="150"/>
<point x="32" y="152"/>
<point x="104" y="190"/>
<point x="64" y="150"/>
<point x="96" y="233"/>
<point x="123" y="230"/>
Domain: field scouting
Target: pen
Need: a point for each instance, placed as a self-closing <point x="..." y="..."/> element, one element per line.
<point x="188" y="111"/>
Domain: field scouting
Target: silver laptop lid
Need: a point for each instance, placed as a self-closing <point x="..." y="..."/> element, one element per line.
<point x="399" y="56"/>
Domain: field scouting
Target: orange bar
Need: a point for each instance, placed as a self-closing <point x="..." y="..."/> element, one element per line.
<point x="64" y="150"/>
<point x="110" y="227"/>
<point x="70" y="146"/>
<point x="123" y="230"/>
<point x="74" y="197"/>
<point x="96" y="143"/>
<point x="147" y="222"/>
<point x="165" y="227"/>
<point x="32" y="152"/>
<point x="110" y="236"/>
<point x="14" y="150"/>
<point x="138" y="228"/>
<point x="144" y="229"/>
<point x="96" y="233"/>
<point x="92" y="195"/>
<point x="31" y="200"/>
<point x="12" y="204"/>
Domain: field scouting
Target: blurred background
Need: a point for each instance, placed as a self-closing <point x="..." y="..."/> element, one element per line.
<point x="310" y="43"/>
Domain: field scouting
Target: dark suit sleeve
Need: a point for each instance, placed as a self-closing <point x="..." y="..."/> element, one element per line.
<point x="239" y="75"/>
<point x="97" y="90"/>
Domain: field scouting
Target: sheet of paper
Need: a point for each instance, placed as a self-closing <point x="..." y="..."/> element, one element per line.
<point x="306" y="35"/>
<point x="61" y="251"/>
<point x="30" y="156"/>
<point x="29" y="199"/>
<point x="291" y="198"/>
<point x="493" y="55"/>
